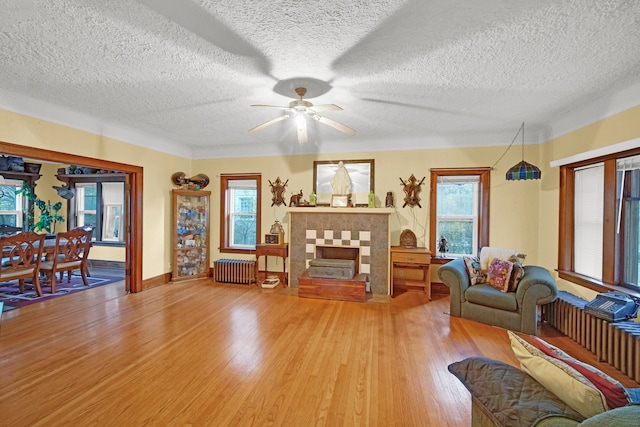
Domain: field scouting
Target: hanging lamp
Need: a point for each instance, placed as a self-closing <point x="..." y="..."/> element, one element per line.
<point x="523" y="170"/>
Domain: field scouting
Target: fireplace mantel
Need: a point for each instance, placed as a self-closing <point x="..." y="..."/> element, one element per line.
<point x="366" y="228"/>
<point x="330" y="210"/>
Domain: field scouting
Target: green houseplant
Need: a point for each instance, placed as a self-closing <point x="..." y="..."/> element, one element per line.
<point x="49" y="215"/>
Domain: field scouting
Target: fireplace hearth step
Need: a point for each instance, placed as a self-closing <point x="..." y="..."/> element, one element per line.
<point x="335" y="289"/>
<point x="329" y="268"/>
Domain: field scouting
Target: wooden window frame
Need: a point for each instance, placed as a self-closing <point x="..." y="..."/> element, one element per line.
<point x="611" y="244"/>
<point x="224" y="186"/>
<point x="483" y="204"/>
<point x="72" y="213"/>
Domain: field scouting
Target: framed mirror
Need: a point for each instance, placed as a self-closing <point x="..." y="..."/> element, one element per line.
<point x="361" y="174"/>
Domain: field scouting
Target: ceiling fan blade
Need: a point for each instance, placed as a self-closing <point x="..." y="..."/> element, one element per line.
<point x="342" y="128"/>
<point x="302" y="132"/>
<point x="270" y="122"/>
<point x="326" y="107"/>
<point x="269" y="106"/>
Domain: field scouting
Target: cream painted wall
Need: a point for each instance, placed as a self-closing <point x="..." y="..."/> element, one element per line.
<point x="158" y="167"/>
<point x="524" y="215"/>
<point x="514" y="210"/>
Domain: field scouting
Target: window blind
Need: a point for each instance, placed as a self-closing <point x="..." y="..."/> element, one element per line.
<point x="588" y="220"/>
<point x="243" y="184"/>
<point x="461" y="179"/>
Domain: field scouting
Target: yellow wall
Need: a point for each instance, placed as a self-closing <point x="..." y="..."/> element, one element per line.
<point x="45" y="192"/>
<point x="524" y="214"/>
<point x="513" y="219"/>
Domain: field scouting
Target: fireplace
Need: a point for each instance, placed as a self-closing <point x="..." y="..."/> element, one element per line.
<point x="361" y="234"/>
<point x="340" y="252"/>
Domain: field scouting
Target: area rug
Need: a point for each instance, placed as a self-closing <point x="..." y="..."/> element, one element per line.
<point x="12" y="298"/>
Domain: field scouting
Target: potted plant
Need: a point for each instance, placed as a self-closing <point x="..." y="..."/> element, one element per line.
<point x="49" y="215"/>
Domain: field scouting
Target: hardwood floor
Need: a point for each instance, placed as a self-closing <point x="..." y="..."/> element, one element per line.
<point x="204" y="354"/>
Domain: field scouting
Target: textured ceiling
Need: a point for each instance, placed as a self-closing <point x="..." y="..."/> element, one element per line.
<point x="180" y="75"/>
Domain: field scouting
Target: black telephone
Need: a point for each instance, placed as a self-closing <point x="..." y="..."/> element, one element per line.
<point x="613" y="306"/>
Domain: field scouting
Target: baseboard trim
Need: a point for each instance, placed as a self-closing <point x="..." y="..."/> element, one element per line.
<point x="105" y="264"/>
<point x="156" y="281"/>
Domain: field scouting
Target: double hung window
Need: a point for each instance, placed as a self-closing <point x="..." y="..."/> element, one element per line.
<point x="240" y="212"/>
<point x="100" y="205"/>
<point x="599" y="243"/>
<point x="459" y="210"/>
<point x="11" y="204"/>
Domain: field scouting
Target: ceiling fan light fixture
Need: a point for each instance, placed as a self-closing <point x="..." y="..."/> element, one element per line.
<point x="301" y="109"/>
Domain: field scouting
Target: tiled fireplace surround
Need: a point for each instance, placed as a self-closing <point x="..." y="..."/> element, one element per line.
<point x="365" y="228"/>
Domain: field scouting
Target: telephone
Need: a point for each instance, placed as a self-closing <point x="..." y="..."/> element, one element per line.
<point x="613" y="306"/>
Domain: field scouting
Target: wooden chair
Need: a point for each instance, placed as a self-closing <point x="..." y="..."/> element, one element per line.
<point x="70" y="253"/>
<point x="21" y="258"/>
<point x="86" y="266"/>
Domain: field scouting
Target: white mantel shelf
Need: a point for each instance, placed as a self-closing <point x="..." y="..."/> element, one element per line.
<point x="330" y="210"/>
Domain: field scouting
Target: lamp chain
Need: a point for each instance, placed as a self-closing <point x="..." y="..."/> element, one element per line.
<point x="520" y="129"/>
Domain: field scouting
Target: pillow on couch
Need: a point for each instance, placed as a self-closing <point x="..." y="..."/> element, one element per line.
<point x="558" y="376"/>
<point x="488" y="253"/>
<point x="517" y="272"/>
<point x="499" y="274"/>
<point x="476" y="275"/>
<point x="614" y="392"/>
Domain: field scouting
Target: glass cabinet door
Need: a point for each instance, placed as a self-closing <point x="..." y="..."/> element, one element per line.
<point x="191" y="234"/>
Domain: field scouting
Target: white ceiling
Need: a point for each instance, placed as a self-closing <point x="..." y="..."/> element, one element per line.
<point x="180" y="75"/>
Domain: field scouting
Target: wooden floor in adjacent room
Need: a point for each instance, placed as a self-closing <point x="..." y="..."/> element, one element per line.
<point x="204" y="354"/>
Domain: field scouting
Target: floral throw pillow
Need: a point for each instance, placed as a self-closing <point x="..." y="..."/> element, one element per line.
<point x="476" y="276"/>
<point x="499" y="274"/>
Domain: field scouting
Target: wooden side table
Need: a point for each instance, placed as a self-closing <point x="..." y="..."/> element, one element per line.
<point x="267" y="250"/>
<point x="412" y="258"/>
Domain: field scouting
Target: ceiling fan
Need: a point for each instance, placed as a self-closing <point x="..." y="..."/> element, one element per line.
<point x="300" y="110"/>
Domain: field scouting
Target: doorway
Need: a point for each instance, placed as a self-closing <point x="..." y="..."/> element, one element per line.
<point x="133" y="201"/>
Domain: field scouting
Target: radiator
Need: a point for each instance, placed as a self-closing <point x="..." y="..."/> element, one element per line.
<point x="234" y="271"/>
<point x="615" y="343"/>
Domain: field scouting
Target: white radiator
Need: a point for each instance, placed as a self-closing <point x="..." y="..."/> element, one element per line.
<point x="234" y="271"/>
<point x="615" y="343"/>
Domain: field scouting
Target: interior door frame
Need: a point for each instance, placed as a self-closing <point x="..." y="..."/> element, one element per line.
<point x="134" y="176"/>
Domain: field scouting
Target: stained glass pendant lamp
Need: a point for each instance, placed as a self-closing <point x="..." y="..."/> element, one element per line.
<point x="523" y="170"/>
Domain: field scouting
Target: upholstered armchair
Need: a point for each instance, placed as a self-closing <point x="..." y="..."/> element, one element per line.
<point x="517" y="311"/>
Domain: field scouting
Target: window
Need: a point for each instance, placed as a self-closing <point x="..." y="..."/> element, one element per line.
<point x="86" y="203"/>
<point x="588" y="220"/>
<point x="99" y="205"/>
<point x="239" y="212"/>
<point x="10" y="203"/>
<point x="599" y="243"/>
<point x="460" y="210"/>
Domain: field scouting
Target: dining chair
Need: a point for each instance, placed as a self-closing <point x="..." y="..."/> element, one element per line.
<point x="70" y="253"/>
<point x="22" y="258"/>
<point x="86" y="266"/>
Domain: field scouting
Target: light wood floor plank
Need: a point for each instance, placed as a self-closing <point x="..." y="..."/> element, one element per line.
<point x="203" y="354"/>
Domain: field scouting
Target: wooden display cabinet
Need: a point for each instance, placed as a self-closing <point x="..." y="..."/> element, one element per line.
<point x="191" y="248"/>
